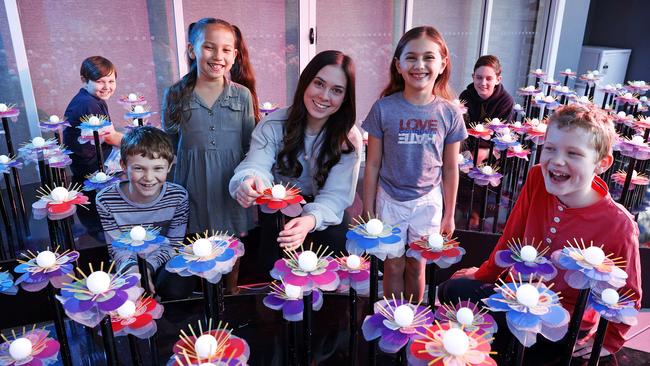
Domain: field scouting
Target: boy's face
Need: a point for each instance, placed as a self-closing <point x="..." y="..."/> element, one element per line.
<point x="146" y="177"/>
<point x="569" y="162"/>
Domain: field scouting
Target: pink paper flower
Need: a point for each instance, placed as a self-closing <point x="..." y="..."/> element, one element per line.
<point x="32" y="348"/>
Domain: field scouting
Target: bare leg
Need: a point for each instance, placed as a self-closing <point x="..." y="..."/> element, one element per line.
<point x="231" y="279"/>
<point x="414" y="278"/>
<point x="394" y="276"/>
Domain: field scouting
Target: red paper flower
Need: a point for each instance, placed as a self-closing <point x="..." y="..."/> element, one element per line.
<point x="283" y="198"/>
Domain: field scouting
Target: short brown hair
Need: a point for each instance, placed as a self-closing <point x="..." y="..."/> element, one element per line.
<point x="491" y="61"/>
<point x="146" y="141"/>
<point x="96" y="67"/>
<point x="592" y="119"/>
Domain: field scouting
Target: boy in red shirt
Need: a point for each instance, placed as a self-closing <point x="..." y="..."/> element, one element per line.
<point x="563" y="199"/>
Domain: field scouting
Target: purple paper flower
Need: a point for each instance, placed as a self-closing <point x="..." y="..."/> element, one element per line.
<point x="626" y="98"/>
<point x="7" y="285"/>
<point x="53" y="124"/>
<point x="437" y="249"/>
<point x="636" y="147"/>
<point x="395" y="323"/>
<point x="468" y="316"/>
<point x="32" y="348"/>
<point x="268" y="107"/>
<point x="6" y="163"/>
<point x="548" y="102"/>
<point x="611" y="306"/>
<point x="375" y="238"/>
<point x="562" y="91"/>
<point x="99" y="180"/>
<point x="45" y="268"/>
<point x="484" y="175"/>
<point x="528" y="90"/>
<point x="505" y="139"/>
<point x="88" y="300"/>
<point x="208" y="257"/>
<point x="30" y="150"/>
<point x="526" y="260"/>
<point x="9" y="111"/>
<point x="308" y="270"/>
<point x="289" y="299"/>
<point x="354" y="272"/>
<point x="530" y="308"/>
<point x="140" y="240"/>
<point x="465" y="163"/>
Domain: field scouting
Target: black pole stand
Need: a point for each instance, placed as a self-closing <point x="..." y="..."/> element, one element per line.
<point x="598" y="342"/>
<point x="372" y="298"/>
<point x="14" y="211"/>
<point x="307" y="328"/>
<point x="574" y="326"/>
<point x="98" y="150"/>
<point x="109" y="341"/>
<point x="14" y="171"/>
<point x="431" y="292"/>
<point x="144" y="275"/>
<point x="353" y="344"/>
<point x="211" y="311"/>
<point x="133" y="347"/>
<point x="59" y="326"/>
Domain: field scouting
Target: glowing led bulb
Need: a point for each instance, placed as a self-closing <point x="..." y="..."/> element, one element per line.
<point x="638" y="140"/>
<point x="594" y="256"/>
<point x="517" y="148"/>
<point x="518" y="106"/>
<point x="98" y="282"/>
<point x="54" y="118"/>
<point x="461" y="157"/>
<point x="565" y="89"/>
<point x="94" y="121"/>
<point x="506" y="137"/>
<point x="609" y="296"/>
<point x="374" y="227"/>
<point x="549" y="99"/>
<point x="465" y="316"/>
<point x="267" y="105"/>
<point x="38" y="141"/>
<point x="436" y="241"/>
<point x="487" y="170"/>
<point x="292" y="292"/>
<point x="495" y="121"/>
<point x="529" y="88"/>
<point x="528" y="253"/>
<point x="202" y="247"/>
<point x="534" y="122"/>
<point x="307" y="261"/>
<point x="20" y="349"/>
<point x="353" y="261"/>
<point x="479" y="127"/>
<point x="517" y="124"/>
<point x="127" y="309"/>
<point x="590" y="75"/>
<point x="627" y="95"/>
<point x="45" y="259"/>
<point x="3" y="107"/>
<point x="133" y="97"/>
<point x="542" y="127"/>
<point x="279" y="191"/>
<point x="538" y="71"/>
<point x="4" y="159"/>
<point x="138" y="233"/>
<point x="568" y="71"/>
<point x="403" y="316"/>
<point x="59" y="194"/>
<point x="455" y="342"/>
<point x="621" y="114"/>
<point x="596" y="72"/>
<point x="527" y="295"/>
<point x="138" y="109"/>
<point x="635" y="174"/>
<point x="205" y="346"/>
<point x="101" y="177"/>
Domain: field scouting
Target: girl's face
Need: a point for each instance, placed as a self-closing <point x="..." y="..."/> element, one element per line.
<point x="102" y="88"/>
<point x="325" y="94"/>
<point x="214" y="53"/>
<point x="485" y="79"/>
<point x="420" y="64"/>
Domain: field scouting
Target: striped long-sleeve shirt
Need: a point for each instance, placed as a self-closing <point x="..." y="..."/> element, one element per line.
<point x="168" y="212"/>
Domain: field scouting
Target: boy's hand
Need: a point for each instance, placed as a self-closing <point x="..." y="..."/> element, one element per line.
<point x="583" y="349"/>
<point x="447" y="226"/>
<point x="465" y="273"/>
<point x="248" y="191"/>
<point x="295" y="231"/>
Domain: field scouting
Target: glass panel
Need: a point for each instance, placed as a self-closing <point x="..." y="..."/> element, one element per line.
<point x="459" y="21"/>
<point x="270" y="29"/>
<point x="136" y="36"/>
<point x="368" y="32"/>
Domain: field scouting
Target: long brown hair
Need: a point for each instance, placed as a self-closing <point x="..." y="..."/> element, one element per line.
<point x="336" y="129"/>
<point x="242" y="70"/>
<point x="441" y="87"/>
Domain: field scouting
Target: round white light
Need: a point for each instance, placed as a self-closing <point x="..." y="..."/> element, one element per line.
<point x="465" y="316"/>
<point x="59" y="194"/>
<point x="45" y="259"/>
<point x="487" y="170"/>
<point x="584" y="99"/>
<point x="635" y="174"/>
<point x="436" y="241"/>
<point x="279" y="191"/>
<point x="205" y="346"/>
<point x="202" y="247"/>
<point x="518" y="106"/>
<point x="374" y="227"/>
<point x="627" y="95"/>
<point x="307" y="261"/>
<point x="4" y="159"/>
<point x="643" y="99"/>
<point x="542" y="127"/>
<point x="596" y="72"/>
<point x="127" y="309"/>
<point x="638" y="140"/>
<point x="94" y="121"/>
<point x="568" y="71"/>
<point x="479" y="127"/>
<point x="101" y="177"/>
<point x="495" y="121"/>
<point x="618" y="85"/>
<point x="98" y="282"/>
<point x="403" y="316"/>
<point x="565" y="89"/>
<point x="455" y="341"/>
<point x="207" y="364"/>
<point x="517" y="124"/>
<point x="534" y="122"/>
<point x="133" y="97"/>
<point x="292" y="292"/>
<point x="528" y="253"/>
<point x="549" y="99"/>
<point x="590" y="75"/>
<point x="138" y="109"/>
<point x="621" y="114"/>
<point x="529" y="88"/>
<point x="527" y="295"/>
<point x="353" y="261"/>
<point x="3" y="107"/>
<point x="38" y="141"/>
<point x="461" y="157"/>
<point x="20" y="349"/>
<point x="517" y="148"/>
<point x="594" y="256"/>
<point x="538" y="71"/>
<point x="54" y="118"/>
<point x="506" y="137"/>
<point x="267" y="105"/>
<point x="609" y="296"/>
<point x="138" y="233"/>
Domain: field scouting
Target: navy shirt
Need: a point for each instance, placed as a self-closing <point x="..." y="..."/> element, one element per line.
<point x="84" y="157"/>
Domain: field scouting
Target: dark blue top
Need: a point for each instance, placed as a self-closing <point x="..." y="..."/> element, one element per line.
<point x="84" y="157"/>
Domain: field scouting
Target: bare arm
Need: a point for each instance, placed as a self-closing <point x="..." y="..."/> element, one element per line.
<point x="371" y="174"/>
<point x="449" y="186"/>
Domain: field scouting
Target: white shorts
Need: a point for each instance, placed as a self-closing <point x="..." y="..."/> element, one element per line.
<point x="415" y="218"/>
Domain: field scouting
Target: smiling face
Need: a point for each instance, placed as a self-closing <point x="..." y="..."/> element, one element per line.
<point x="214" y="52"/>
<point x="569" y="162"/>
<point x="420" y="64"/>
<point x="102" y="88"/>
<point x="325" y="94"/>
<point x="146" y="177"/>
<point x="485" y="79"/>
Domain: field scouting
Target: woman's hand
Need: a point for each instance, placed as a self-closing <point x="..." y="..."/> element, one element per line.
<point x="295" y="231"/>
<point x="467" y="273"/>
<point x="447" y="226"/>
<point x="248" y="191"/>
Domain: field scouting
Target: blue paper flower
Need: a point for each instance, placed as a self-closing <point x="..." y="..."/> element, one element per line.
<point x="7" y="285"/>
<point x="484" y="175"/>
<point x="44" y="268"/>
<point x="375" y="238"/>
<point x="140" y="240"/>
<point x="611" y="306"/>
<point x="526" y="260"/>
<point x="6" y="163"/>
<point x="93" y="122"/>
<point x="99" y="180"/>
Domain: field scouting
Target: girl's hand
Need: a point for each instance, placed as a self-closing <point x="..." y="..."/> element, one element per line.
<point x="295" y="231"/>
<point x="248" y="191"/>
<point x="584" y="346"/>
<point x="447" y="226"/>
<point x="467" y="273"/>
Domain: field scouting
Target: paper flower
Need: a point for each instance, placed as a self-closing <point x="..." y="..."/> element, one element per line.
<point x="626" y="98"/>
<point x="58" y="203"/>
<point x="538" y="73"/>
<point x="590" y="76"/>
<point x="642" y="123"/>
<point x="128" y="101"/>
<point x="208" y="257"/>
<point x="517" y="127"/>
<point x="465" y="163"/>
<point x="495" y="124"/>
<point x="307" y="269"/>
<point x="613" y="307"/>
<point x="517" y="151"/>
<point x="468" y="316"/>
<point x="99" y="180"/>
<point x="9" y="111"/>
<point x="89" y="299"/>
<point x="7" y="285"/>
<point x="50" y="151"/>
<point x="528" y="90"/>
<point x="444" y="345"/>
<point x="568" y="72"/>
<point x="32" y="348"/>
<point x="395" y="322"/>
<point x="531" y="309"/>
<point x="636" y="147"/>
<point x="137" y="318"/>
<point x="354" y="272"/>
<point x="505" y="139"/>
<point x="93" y="122"/>
<point x="268" y="107"/>
<point x="536" y="131"/>
<point x="461" y="105"/>
<point x="279" y="197"/>
<point x="36" y="145"/>
<point x="139" y="240"/>
<point x="589" y="267"/>
<point x="621" y="117"/>
<point x="138" y="111"/>
<point x="637" y="86"/>
<point x="562" y="91"/>
<point x="437" y="249"/>
<point x="478" y="130"/>
<point x="583" y="100"/>
<point x="637" y="179"/>
<point x="53" y="124"/>
<point x="375" y="238"/>
<point x="214" y="346"/>
<point x="549" y="102"/>
<point x="6" y="163"/>
<point x="485" y="174"/>
<point x="526" y="260"/>
<point x="288" y="298"/>
<point x="45" y="268"/>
